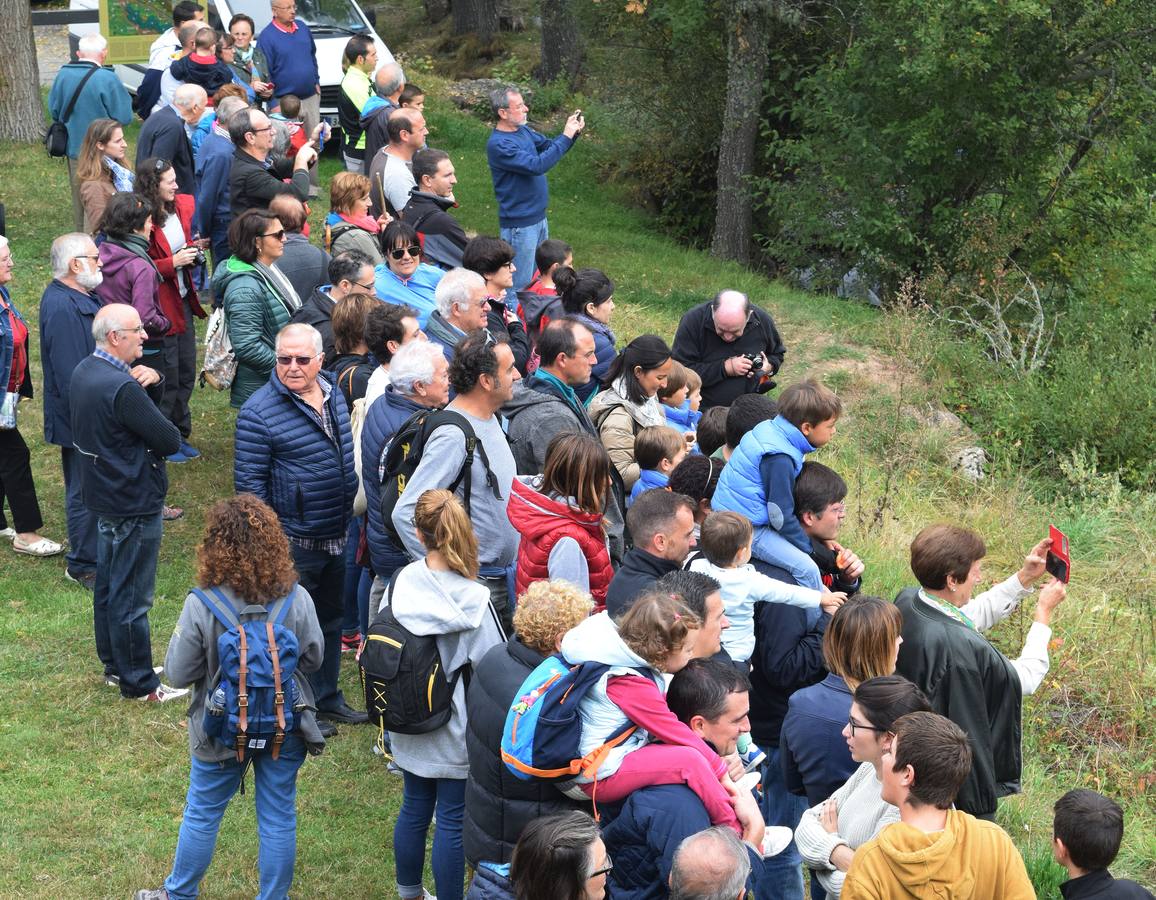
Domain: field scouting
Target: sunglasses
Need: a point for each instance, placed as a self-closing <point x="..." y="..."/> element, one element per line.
<point x="400" y="252"/>
<point x="279" y="235"/>
<point x="301" y="361"/>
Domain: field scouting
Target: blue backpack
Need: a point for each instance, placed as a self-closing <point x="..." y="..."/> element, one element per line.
<point x="542" y="736"/>
<point x="254" y="699"/>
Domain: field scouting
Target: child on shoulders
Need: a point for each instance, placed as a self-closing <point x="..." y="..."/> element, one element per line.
<point x="289" y="112"/>
<point x="725" y="544"/>
<point x="657" y="449"/>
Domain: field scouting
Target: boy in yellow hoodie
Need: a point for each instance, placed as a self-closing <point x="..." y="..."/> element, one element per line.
<point x="934" y="851"/>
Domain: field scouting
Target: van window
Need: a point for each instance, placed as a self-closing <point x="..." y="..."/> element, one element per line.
<point x="319" y="15"/>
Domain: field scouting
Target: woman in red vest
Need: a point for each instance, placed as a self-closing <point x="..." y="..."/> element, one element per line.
<point x="559" y="515"/>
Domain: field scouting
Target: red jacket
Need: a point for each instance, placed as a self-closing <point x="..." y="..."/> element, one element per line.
<point x="542" y="522"/>
<point x="168" y="293"/>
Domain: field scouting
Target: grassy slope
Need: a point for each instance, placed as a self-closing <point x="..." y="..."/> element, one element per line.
<point x="91" y="788"/>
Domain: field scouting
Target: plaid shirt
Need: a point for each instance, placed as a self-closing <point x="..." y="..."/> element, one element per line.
<point x="332" y="546"/>
<point x="109" y="358"/>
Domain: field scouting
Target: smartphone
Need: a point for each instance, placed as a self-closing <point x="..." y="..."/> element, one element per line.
<point x="1059" y="561"/>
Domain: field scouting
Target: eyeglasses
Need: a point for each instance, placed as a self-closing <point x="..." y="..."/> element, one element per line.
<point x="88" y="256"/>
<point x="604" y="870"/>
<point x="366" y="287"/>
<point x="140" y="329"/>
<point x="852" y="724"/>
<point x="400" y="252"/>
<point x="279" y="235"/>
<point x="507" y="265"/>
<point x="301" y="361"/>
<point x="259" y="130"/>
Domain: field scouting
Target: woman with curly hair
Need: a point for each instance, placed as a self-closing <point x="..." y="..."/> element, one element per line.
<point x="243" y="558"/>
<point x="498" y="805"/>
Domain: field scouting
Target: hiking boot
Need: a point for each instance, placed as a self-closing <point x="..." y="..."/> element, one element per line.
<point x="151" y="894"/>
<point x="162" y="694"/>
<point x="344" y="714"/>
<point x="113" y="680"/>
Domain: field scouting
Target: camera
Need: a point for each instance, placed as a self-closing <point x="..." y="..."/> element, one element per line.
<point x="756" y="360"/>
<point x="199" y="259"/>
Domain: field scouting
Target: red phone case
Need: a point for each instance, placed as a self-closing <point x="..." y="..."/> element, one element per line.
<point x="1059" y="562"/>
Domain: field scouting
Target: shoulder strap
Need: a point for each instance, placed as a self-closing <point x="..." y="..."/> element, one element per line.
<point x="76" y="94"/>
<point x="280" y="608"/>
<point x="465" y="476"/>
<point x="220" y="607"/>
<point x="351" y="371"/>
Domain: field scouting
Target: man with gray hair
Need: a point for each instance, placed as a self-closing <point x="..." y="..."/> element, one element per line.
<point x="253" y="183"/>
<point x="122" y="438"/>
<point x="519" y="159"/>
<point x="462" y="307"/>
<point x="99" y="95"/>
<point x="165" y="135"/>
<point x="388" y="83"/>
<point x="348" y="272"/>
<point x="732" y="345"/>
<point x="294" y="450"/>
<point x="214" y="161"/>
<point x="710" y="865"/>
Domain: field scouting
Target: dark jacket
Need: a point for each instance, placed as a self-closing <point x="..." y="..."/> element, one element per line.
<point x="698" y="346"/>
<point x="163" y="136"/>
<point x="973" y="684"/>
<point x="788" y="656"/>
<point x="285" y="458"/>
<point x="489" y="885"/>
<point x="306" y="266"/>
<point x="252" y="185"/>
<point x="317" y="310"/>
<point x="123" y="440"/>
<point x="374" y="119"/>
<point x="498" y="804"/>
<point x="638" y="573"/>
<point x="604" y="350"/>
<point x="1100" y="885"/>
<point x="352" y="372"/>
<point x="443" y="239"/>
<point x="65" y="339"/>
<point x="214" y="162"/>
<point x="534" y="415"/>
<point x="814" y="755"/>
<point x="514" y="331"/>
<point x="209" y="72"/>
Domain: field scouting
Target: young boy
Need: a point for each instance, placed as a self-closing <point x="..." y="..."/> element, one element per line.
<point x="551" y="254"/>
<point x="725" y="544"/>
<point x="712" y="433"/>
<point x="202" y="66"/>
<point x="1087" y="833"/>
<point x="289" y="112"/>
<point x="759" y="480"/>
<point x="658" y="449"/>
<point x="412" y="97"/>
<point x="675" y="396"/>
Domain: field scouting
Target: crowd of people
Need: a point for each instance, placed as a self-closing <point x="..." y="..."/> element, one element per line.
<point x="443" y="431"/>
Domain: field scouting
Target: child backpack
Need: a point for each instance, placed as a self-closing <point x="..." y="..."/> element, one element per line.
<point x="220" y="367"/>
<point x="542" y="736"/>
<point x="406" y="688"/>
<point x="404" y="450"/>
<point x="254" y="699"/>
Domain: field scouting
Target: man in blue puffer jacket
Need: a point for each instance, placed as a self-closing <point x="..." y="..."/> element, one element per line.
<point x="759" y="480"/>
<point x="294" y="450"/>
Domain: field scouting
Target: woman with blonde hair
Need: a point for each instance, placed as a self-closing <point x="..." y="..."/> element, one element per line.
<point x="349" y="226"/>
<point x="438" y="595"/>
<point x="102" y="169"/>
<point x="243" y="560"/>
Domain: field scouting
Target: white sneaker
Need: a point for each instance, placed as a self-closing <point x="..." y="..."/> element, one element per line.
<point x="776" y="839"/>
<point x="163" y="694"/>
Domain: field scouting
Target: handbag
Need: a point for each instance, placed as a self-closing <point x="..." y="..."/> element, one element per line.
<point x="8" y="411"/>
<point x="56" y="138"/>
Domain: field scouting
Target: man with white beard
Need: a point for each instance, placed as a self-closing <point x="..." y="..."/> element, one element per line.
<point x="66" y="313"/>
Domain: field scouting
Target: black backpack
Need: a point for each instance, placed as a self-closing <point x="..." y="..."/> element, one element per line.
<point x="56" y="138"/>
<point x="406" y="688"/>
<point x="404" y="450"/>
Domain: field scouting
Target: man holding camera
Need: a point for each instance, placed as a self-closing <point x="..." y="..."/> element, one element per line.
<point x="733" y="346"/>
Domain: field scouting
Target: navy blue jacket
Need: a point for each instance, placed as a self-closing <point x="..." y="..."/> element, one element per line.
<point x="163" y="135"/>
<point x="489" y="885"/>
<point x="214" y="163"/>
<point x="638" y="573"/>
<point x="285" y="457"/>
<point x="65" y="339"/>
<point x="814" y="756"/>
<point x="385" y="416"/>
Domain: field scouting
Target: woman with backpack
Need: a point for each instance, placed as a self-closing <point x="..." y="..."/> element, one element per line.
<point x="243" y="561"/>
<point x="439" y="595"/>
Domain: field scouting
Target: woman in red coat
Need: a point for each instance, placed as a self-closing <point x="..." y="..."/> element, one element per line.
<point x="559" y="515"/>
<point x="172" y="249"/>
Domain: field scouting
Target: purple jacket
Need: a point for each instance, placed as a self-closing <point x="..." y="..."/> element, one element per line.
<point x="130" y="279"/>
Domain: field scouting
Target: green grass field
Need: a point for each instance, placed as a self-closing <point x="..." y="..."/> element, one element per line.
<point x="91" y="788"/>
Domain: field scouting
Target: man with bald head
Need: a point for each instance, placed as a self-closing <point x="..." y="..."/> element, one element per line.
<point x="122" y="439"/>
<point x="165" y="135"/>
<point x="733" y="346"/>
<point x="713" y="863"/>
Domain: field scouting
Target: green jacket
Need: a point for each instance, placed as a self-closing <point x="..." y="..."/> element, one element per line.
<point x="254" y="312"/>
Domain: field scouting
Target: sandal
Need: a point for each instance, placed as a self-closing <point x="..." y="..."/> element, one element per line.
<point x="42" y="547"/>
<point x="9" y="533"/>
<point x="171" y="513"/>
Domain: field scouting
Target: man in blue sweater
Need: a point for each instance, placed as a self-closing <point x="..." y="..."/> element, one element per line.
<point x="291" y="53"/>
<point x="214" y="163"/>
<point x="519" y="160"/>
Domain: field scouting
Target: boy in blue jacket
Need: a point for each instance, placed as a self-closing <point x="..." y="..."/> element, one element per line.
<point x="759" y="480"/>
<point x="657" y="449"/>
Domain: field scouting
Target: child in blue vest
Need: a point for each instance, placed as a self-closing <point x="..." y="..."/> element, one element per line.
<point x="759" y="480"/>
<point x="680" y="398"/>
<point x="655" y="637"/>
<point x="657" y="449"/>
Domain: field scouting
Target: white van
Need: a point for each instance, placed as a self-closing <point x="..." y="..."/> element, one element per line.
<point x="331" y="21"/>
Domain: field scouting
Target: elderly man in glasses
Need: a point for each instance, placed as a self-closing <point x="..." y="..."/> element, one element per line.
<point x="294" y="450"/>
<point x="253" y="182"/>
<point x="732" y="345"/>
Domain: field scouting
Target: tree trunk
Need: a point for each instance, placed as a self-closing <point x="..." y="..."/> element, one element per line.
<point x="748" y="45"/>
<point x="478" y="17"/>
<point x="436" y="10"/>
<point x="21" y="115"/>
<point x="562" y="49"/>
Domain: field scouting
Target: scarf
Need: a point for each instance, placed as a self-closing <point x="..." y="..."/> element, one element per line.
<point x="647" y="413"/>
<point x="122" y="178"/>
<point x="572" y="398"/>
<point x="244" y="57"/>
<point x="281" y="284"/>
<point x="366" y="222"/>
<point x="137" y="246"/>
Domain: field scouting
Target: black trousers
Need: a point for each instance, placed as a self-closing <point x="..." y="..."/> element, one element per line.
<point x="16" y="484"/>
<point x="180" y="371"/>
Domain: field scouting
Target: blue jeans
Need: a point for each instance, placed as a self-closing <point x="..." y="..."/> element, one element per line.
<point x="357" y="584"/>
<point x="126" y="572"/>
<point x="211" y="787"/>
<point x="782" y="877"/>
<point x="323" y="574"/>
<point x="409" y="834"/>
<point x="772" y="547"/>
<point x="525" y="240"/>
<point x="81" y="555"/>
